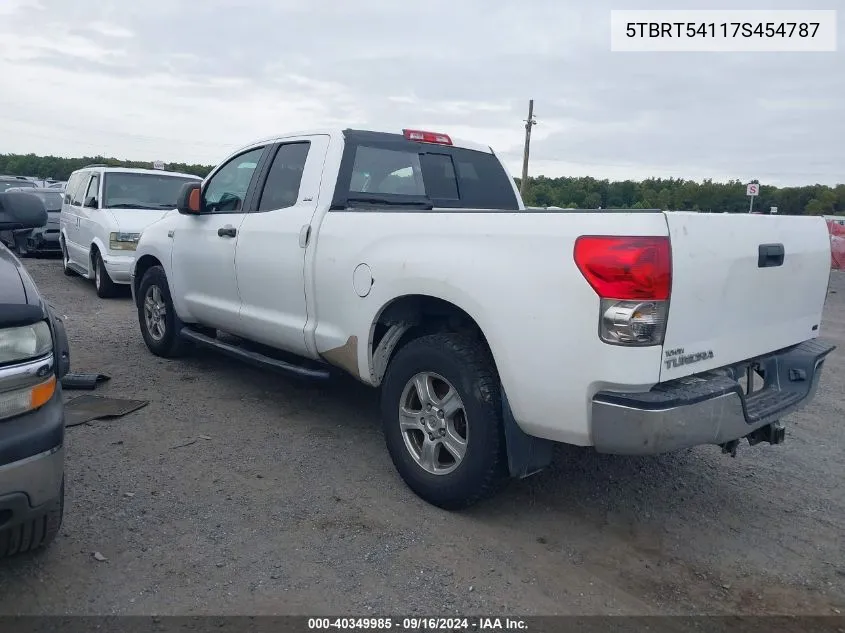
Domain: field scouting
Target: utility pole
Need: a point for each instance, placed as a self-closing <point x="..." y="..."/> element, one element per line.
<point x="529" y="123"/>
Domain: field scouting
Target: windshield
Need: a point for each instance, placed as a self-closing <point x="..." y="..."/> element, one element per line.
<point x="52" y="199"/>
<point x="142" y="191"/>
<point x="9" y="184"/>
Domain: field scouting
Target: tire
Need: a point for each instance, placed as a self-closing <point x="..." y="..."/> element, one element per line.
<point x="36" y="533"/>
<point x="68" y="271"/>
<point x="106" y="288"/>
<point x="162" y="341"/>
<point x="465" y="365"/>
<point x="20" y="248"/>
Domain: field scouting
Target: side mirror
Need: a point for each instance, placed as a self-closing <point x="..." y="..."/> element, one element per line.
<point x="189" y="201"/>
<point x="21" y="211"/>
<point x="91" y="202"/>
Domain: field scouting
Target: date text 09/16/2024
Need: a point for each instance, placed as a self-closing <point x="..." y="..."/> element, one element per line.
<point x="420" y="624"/>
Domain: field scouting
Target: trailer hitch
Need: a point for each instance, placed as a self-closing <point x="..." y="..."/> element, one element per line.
<point x="773" y="433"/>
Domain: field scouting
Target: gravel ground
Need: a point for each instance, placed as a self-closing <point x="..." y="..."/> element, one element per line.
<point x="292" y="506"/>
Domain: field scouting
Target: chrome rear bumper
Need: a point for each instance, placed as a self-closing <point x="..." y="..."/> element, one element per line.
<point x="709" y="408"/>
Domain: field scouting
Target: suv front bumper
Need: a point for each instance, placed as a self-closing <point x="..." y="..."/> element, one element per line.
<point x="31" y="462"/>
<point x="709" y="408"/>
<point x="119" y="267"/>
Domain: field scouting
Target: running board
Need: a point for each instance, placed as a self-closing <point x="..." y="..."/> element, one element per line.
<point x="253" y="358"/>
<point x="79" y="270"/>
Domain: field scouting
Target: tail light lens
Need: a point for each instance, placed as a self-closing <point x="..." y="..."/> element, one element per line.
<point x="633" y="278"/>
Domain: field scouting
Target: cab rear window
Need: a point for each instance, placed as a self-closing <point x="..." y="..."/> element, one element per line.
<point x="447" y="176"/>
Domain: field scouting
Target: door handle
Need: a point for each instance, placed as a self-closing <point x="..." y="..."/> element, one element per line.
<point x="770" y="255"/>
<point x="227" y="231"/>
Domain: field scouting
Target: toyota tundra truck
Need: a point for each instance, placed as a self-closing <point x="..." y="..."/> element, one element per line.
<point x="493" y="331"/>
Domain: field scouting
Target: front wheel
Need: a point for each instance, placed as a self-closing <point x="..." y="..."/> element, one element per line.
<point x="156" y="315"/>
<point x="106" y="288"/>
<point x="442" y="416"/>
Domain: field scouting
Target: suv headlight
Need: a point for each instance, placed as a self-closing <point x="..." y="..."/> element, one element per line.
<point x="24" y="343"/>
<point x="20" y="389"/>
<point x="123" y="241"/>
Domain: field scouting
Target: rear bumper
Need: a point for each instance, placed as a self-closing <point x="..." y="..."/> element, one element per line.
<point x="40" y="240"/>
<point x="43" y="240"/>
<point x="709" y="408"/>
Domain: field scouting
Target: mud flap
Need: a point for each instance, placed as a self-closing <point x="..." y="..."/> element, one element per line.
<point x="62" y="346"/>
<point x="527" y="455"/>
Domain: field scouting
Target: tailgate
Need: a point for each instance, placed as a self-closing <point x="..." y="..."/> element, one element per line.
<point x="732" y="298"/>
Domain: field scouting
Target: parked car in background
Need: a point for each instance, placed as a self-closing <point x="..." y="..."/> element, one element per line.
<point x="34" y="357"/>
<point x="57" y="185"/>
<point x="104" y="211"/>
<point x="409" y="261"/>
<point x="10" y="182"/>
<point x="42" y="239"/>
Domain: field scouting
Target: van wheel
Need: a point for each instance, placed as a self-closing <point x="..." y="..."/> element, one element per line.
<point x="442" y="415"/>
<point x="34" y="534"/>
<point x="157" y="316"/>
<point x="66" y="260"/>
<point x="106" y="288"/>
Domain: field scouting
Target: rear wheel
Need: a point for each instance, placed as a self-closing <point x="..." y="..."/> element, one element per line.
<point x="36" y="533"/>
<point x="66" y="260"/>
<point x="442" y="416"/>
<point x="106" y="288"/>
<point x="156" y="315"/>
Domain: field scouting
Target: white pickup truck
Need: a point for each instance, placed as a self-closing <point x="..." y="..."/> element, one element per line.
<point x="409" y="261"/>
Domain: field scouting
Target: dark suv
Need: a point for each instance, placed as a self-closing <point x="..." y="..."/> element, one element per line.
<point x="34" y="356"/>
<point x="41" y="240"/>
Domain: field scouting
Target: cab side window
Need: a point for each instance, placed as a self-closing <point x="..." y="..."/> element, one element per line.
<point x="226" y="190"/>
<point x="93" y="190"/>
<point x="281" y="189"/>
<point x="72" y="185"/>
<point x="77" y="196"/>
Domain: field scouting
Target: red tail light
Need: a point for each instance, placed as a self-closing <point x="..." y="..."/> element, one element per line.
<point x="427" y="137"/>
<point x="626" y="268"/>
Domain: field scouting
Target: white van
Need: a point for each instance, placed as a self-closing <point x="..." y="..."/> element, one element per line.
<point x="103" y="213"/>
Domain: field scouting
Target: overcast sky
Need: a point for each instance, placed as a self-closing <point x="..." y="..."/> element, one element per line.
<point x="192" y="80"/>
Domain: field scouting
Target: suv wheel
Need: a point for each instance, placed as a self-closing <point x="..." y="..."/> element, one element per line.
<point x="157" y="316"/>
<point x="102" y="282"/>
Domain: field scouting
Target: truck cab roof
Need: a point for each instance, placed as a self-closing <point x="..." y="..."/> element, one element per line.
<point x="374" y="133"/>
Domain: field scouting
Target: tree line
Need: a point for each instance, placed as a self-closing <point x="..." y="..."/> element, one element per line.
<point x="685" y="195"/>
<point x="577" y="193"/>
<point x="59" y="168"/>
